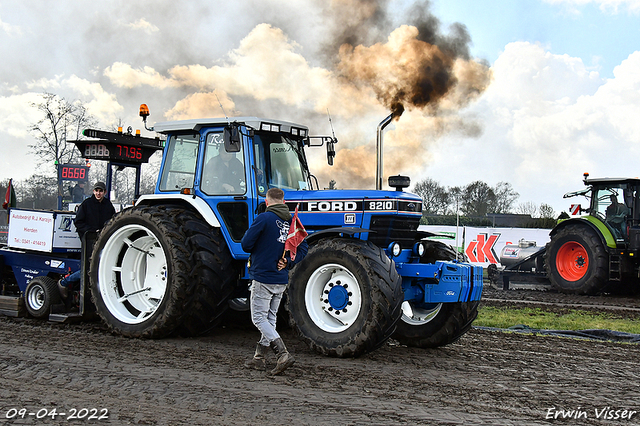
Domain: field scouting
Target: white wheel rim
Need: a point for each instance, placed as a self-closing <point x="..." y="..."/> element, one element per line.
<point x="333" y="298"/>
<point x="35" y="297"/>
<point x="414" y="315"/>
<point x="132" y="274"/>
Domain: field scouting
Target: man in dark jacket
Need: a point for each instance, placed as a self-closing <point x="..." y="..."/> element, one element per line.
<point x="94" y="212"/>
<point x="268" y="269"/>
<point x="91" y="215"/>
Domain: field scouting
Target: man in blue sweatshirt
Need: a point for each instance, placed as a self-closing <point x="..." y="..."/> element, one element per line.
<point x="268" y="268"/>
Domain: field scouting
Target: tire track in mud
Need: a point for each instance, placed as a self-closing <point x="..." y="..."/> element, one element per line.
<point x="485" y="378"/>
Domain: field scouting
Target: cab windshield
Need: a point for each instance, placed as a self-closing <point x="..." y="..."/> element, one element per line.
<point x="280" y="162"/>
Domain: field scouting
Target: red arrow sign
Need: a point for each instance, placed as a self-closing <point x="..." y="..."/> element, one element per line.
<point x="470" y="251"/>
<point x="481" y="251"/>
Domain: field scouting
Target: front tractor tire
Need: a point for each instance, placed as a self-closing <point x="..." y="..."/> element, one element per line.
<point x="40" y="295"/>
<point x="436" y="324"/>
<point x="148" y="274"/>
<point x="577" y="262"/>
<point x="344" y="298"/>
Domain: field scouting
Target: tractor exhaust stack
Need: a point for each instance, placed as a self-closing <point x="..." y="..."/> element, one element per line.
<point x="379" y="150"/>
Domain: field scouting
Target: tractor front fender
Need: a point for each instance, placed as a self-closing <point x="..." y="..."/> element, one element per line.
<point x="187" y="201"/>
<point x="592" y="222"/>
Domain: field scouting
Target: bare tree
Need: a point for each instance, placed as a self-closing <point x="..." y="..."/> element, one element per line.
<point x="36" y="192"/>
<point x="505" y="197"/>
<point x="434" y="196"/>
<point x="546" y="211"/>
<point x="527" y="207"/>
<point x="150" y="173"/>
<point x="455" y="200"/>
<point x="61" y="121"/>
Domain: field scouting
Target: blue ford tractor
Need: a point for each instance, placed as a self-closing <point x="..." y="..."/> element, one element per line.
<point x="173" y="262"/>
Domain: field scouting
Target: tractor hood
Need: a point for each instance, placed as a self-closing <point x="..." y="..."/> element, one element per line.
<point x="351" y="208"/>
<point x="341" y="201"/>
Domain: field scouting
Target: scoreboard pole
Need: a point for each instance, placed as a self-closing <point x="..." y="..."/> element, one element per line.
<point x="59" y="171"/>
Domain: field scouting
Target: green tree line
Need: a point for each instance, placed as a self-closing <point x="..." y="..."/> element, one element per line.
<point x="477" y="204"/>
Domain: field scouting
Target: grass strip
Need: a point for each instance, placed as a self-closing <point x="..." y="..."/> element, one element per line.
<point x="570" y="319"/>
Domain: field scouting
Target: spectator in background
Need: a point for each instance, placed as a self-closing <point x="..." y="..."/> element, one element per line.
<point x="77" y="195"/>
<point x="95" y="211"/>
<point x="91" y="216"/>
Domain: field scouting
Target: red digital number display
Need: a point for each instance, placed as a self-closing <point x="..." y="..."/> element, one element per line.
<point x="129" y="152"/>
<point x="71" y="172"/>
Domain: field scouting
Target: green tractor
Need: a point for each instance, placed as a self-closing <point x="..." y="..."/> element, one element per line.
<point x="600" y="249"/>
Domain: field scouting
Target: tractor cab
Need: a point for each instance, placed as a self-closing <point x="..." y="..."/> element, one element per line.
<point x="614" y="203"/>
<point x="229" y="164"/>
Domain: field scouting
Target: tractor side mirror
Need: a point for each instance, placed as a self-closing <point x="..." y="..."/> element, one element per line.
<point x="331" y="152"/>
<point x="231" y="136"/>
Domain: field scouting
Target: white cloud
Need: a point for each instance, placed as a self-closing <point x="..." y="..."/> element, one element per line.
<point x="45" y="84"/>
<point x="613" y="6"/>
<point x="103" y="105"/>
<point x="124" y="75"/>
<point x="250" y="70"/>
<point x="548" y="120"/>
<point x="143" y="25"/>
<point x="17" y="114"/>
<point x="10" y="30"/>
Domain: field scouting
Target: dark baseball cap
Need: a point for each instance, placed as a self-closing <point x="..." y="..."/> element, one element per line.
<point x="100" y="185"/>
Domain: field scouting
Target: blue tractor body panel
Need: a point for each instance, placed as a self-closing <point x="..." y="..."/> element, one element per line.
<point x="442" y="282"/>
<point x="381" y="217"/>
<point x="28" y="265"/>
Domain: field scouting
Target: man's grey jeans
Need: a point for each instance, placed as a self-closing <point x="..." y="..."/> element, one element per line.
<point x="265" y="300"/>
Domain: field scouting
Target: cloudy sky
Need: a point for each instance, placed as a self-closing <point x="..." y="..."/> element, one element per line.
<point x="534" y="92"/>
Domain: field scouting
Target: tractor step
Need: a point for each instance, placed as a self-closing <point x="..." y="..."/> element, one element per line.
<point x="614" y="268"/>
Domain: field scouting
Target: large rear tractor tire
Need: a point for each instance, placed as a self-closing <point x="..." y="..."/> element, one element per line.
<point x="430" y="325"/>
<point x="216" y="273"/>
<point x="577" y="262"/>
<point x="344" y="298"/>
<point x="150" y="275"/>
<point x="40" y="295"/>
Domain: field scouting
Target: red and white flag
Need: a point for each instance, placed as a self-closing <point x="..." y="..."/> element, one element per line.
<point x="296" y="235"/>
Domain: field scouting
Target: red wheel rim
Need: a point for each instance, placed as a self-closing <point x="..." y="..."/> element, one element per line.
<point x="572" y="261"/>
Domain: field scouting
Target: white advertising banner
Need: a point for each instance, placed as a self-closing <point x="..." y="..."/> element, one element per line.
<point x="32" y="230"/>
<point x="452" y="235"/>
<point x="65" y="235"/>
<point x="484" y="245"/>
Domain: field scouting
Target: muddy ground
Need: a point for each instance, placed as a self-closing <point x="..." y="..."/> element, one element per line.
<point x="486" y="378"/>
